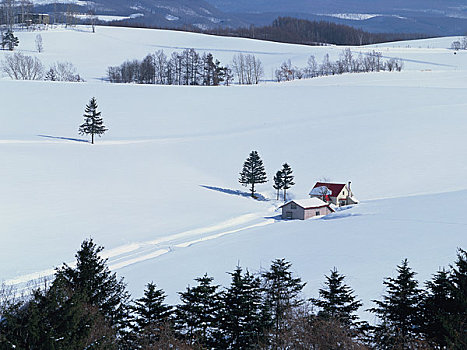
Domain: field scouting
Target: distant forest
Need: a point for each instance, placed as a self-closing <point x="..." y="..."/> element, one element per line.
<point x="301" y="31"/>
<point x="298" y="31"/>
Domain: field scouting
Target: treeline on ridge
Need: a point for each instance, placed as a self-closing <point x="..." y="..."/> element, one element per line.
<point x="87" y="307"/>
<point x="295" y="31"/>
<point x="301" y="31"/>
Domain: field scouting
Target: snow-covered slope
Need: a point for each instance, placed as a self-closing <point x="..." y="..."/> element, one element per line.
<point x="160" y="189"/>
<point x="93" y="53"/>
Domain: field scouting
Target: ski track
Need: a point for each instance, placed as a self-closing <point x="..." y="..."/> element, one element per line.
<point x="137" y="252"/>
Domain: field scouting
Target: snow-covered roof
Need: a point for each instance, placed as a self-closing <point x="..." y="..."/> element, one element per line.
<point x="320" y="191"/>
<point x="308" y="203"/>
<point x="333" y="187"/>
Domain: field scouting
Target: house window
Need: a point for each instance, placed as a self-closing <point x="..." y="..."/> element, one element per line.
<point x="293" y="206"/>
<point x="288" y="215"/>
<point x="317" y="213"/>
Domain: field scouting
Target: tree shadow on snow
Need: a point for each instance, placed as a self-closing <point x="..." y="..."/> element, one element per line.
<point x="258" y="196"/>
<point x="338" y="215"/>
<point x="63" y="138"/>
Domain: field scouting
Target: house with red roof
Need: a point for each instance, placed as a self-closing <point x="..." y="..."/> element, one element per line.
<point x="303" y="209"/>
<point x="335" y="193"/>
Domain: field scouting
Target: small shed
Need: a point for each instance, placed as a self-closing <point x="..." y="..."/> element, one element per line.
<point x="303" y="209"/>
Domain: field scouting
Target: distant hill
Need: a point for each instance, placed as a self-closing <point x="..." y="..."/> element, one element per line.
<point x="432" y="17"/>
<point x="429" y="17"/>
<point x="161" y="13"/>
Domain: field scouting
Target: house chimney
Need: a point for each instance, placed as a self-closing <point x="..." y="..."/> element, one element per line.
<point x="348" y="187"/>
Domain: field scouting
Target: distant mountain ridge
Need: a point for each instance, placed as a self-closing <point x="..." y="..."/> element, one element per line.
<point x="163" y="13"/>
<point x="430" y="17"/>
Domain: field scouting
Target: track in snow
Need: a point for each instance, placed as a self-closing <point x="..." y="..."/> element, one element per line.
<point x="137" y="252"/>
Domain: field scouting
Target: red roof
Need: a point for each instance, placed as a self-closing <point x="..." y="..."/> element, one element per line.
<point x="334" y="188"/>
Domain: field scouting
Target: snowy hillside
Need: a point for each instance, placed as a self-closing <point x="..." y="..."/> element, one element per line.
<point x="93" y="53"/>
<point x="159" y="189"/>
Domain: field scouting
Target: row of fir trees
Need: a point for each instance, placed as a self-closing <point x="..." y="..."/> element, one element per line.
<point x="87" y="307"/>
<point x="253" y="173"/>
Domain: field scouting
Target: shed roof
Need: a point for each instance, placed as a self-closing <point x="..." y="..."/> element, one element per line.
<point x="334" y="188"/>
<point x="309" y="203"/>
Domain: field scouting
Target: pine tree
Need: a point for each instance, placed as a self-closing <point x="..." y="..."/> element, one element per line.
<point x="399" y="309"/>
<point x="59" y="318"/>
<point x="337" y="301"/>
<point x="151" y="314"/>
<point x="436" y="306"/>
<point x="99" y="287"/>
<point x="196" y="317"/>
<point x="93" y="123"/>
<point x="242" y="318"/>
<point x="51" y="75"/>
<point x="282" y="293"/>
<point x="278" y="183"/>
<point x="287" y="179"/>
<point x="253" y="172"/>
<point x="9" y="40"/>
<point x="455" y="324"/>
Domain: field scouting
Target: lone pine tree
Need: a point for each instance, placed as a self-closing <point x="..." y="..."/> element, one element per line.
<point x="253" y="172"/>
<point x="93" y="123"/>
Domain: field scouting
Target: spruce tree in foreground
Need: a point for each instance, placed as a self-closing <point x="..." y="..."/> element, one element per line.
<point x="99" y="287"/>
<point x="282" y="293"/>
<point x="242" y="320"/>
<point x="253" y="172"/>
<point x="287" y="179"/>
<point x="399" y="310"/>
<point x="151" y="315"/>
<point x="436" y="305"/>
<point x="337" y="301"/>
<point x="455" y="323"/>
<point x="93" y="123"/>
<point x="196" y="317"/>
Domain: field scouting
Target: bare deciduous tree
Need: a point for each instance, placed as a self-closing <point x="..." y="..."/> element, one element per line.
<point x="39" y="44"/>
<point x="22" y="67"/>
<point x="248" y="68"/>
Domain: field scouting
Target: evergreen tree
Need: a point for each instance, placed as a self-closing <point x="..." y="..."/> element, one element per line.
<point x="455" y="324"/>
<point x="9" y="40"/>
<point x="282" y="294"/>
<point x="278" y="183"/>
<point x="151" y="314"/>
<point x="51" y="75"/>
<point x="337" y="300"/>
<point x="56" y="318"/>
<point x="436" y="305"/>
<point x="399" y="310"/>
<point x="253" y="172"/>
<point x="287" y="179"/>
<point x="196" y="317"/>
<point x="242" y="318"/>
<point x="99" y="287"/>
<point x="93" y="123"/>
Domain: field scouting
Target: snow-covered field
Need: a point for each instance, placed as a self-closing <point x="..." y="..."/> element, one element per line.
<point x="93" y="53"/>
<point x="159" y="190"/>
